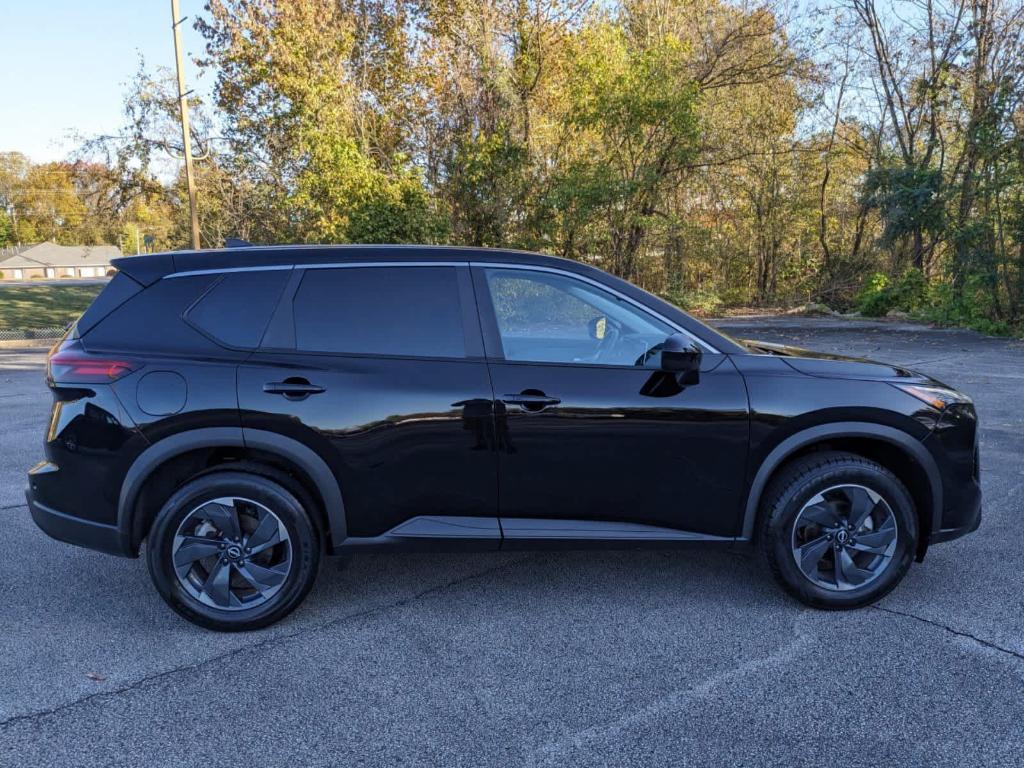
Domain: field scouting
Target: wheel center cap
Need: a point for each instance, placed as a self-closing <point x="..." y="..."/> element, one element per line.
<point x="234" y="552"/>
<point x="842" y="536"/>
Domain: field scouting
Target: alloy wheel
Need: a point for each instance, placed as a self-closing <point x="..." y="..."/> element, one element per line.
<point x="844" y="537"/>
<point x="231" y="553"/>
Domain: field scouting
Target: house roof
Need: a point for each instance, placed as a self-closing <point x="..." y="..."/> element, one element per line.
<point x="53" y="255"/>
<point x="13" y="250"/>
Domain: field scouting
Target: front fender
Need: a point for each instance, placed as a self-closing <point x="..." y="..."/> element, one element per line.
<point x="836" y="430"/>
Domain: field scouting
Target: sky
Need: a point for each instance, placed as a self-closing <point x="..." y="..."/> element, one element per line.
<point x="64" y="65"/>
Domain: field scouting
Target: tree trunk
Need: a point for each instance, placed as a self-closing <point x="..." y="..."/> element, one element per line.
<point x="917" y="250"/>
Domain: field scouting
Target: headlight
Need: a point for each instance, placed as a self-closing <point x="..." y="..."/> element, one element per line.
<point x="937" y="397"/>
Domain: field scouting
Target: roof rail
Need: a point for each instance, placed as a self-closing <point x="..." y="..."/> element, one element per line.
<point x="234" y="242"/>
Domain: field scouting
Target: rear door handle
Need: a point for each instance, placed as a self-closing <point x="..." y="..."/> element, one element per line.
<point x="293" y="389"/>
<point x="531" y="401"/>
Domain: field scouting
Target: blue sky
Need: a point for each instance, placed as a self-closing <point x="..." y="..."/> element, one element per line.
<point x="63" y="65"/>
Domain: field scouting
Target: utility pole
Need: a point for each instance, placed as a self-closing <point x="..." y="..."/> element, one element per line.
<point x="186" y="134"/>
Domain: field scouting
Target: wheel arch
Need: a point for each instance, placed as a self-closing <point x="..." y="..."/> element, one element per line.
<point x="195" y="449"/>
<point x="891" y="447"/>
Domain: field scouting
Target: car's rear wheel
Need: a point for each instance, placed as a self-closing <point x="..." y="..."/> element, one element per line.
<point x="838" y="530"/>
<point x="233" y="551"/>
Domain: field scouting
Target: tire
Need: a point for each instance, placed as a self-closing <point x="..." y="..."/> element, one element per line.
<point x="803" y="513"/>
<point x="199" y="561"/>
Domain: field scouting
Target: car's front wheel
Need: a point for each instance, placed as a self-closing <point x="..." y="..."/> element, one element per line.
<point x="233" y="551"/>
<point x="838" y="530"/>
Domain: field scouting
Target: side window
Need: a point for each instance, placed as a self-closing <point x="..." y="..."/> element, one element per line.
<point x="151" y="320"/>
<point x="406" y="311"/>
<point x="237" y="309"/>
<point x="550" y="318"/>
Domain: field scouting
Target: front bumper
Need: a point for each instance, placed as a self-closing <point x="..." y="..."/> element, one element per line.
<point x="967" y="516"/>
<point x="953" y="444"/>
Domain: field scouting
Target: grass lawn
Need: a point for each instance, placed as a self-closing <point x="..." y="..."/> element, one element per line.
<point x="44" y="306"/>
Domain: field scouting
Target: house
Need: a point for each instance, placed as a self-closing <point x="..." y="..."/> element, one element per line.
<point x="49" y="260"/>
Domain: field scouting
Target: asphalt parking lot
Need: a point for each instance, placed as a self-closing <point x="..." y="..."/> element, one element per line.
<point x="622" y="658"/>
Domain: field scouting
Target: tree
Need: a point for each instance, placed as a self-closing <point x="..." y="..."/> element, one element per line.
<point x="713" y="151"/>
<point x="7" y="234"/>
<point x="14" y="168"/>
<point x="49" y="207"/>
<point x="632" y="116"/>
<point x="312" y="95"/>
<point x="913" y="90"/>
<point x="118" y="177"/>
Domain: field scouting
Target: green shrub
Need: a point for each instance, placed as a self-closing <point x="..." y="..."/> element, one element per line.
<point x="875" y="298"/>
<point x="734" y="295"/>
<point x="911" y="291"/>
<point x="881" y="295"/>
<point x="973" y="308"/>
<point x="700" y="301"/>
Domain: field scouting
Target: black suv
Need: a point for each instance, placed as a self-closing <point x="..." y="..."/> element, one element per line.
<point x="244" y="411"/>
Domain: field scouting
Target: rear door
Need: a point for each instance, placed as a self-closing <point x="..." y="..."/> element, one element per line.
<point x="380" y="368"/>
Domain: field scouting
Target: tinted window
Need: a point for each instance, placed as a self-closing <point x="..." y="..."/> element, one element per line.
<point x="237" y="309"/>
<point x="117" y="292"/>
<point x="151" y="321"/>
<point x="545" y="317"/>
<point x="380" y="310"/>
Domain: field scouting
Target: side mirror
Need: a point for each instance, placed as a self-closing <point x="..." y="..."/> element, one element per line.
<point x="681" y="356"/>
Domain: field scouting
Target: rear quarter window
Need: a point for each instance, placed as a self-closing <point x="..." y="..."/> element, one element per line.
<point x="152" y="320"/>
<point x="117" y="292"/>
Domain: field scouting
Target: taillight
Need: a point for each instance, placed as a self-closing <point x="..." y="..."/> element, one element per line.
<point x="68" y="366"/>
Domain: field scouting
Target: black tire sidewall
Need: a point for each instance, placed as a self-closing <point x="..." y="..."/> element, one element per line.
<point x="301" y="531"/>
<point x="778" y="531"/>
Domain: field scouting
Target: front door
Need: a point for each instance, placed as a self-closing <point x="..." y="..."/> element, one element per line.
<point x="585" y="428"/>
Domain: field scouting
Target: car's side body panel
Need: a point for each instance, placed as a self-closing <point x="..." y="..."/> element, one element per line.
<point x="837" y="430"/>
<point x="613" y="451"/>
<point x="405" y="437"/>
<point x="622" y="443"/>
<point x="421" y="452"/>
<point x="791" y="409"/>
<point x="90" y="442"/>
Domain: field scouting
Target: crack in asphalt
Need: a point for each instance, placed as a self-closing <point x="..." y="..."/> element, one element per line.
<point x="142" y="682"/>
<point x="950" y="630"/>
<point x="554" y="752"/>
<point x="930" y="360"/>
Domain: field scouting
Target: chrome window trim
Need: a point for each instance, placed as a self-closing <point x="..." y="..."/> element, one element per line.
<point x="348" y="264"/>
<point x="339" y="265"/>
<point x="480" y="264"/>
<point x="228" y="270"/>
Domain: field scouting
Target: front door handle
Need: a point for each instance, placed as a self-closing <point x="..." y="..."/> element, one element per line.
<point x="530" y="400"/>
<point x="292" y="388"/>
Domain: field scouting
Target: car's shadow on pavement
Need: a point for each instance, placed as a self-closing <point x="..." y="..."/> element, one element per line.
<point x="110" y="629"/>
<point x="117" y="591"/>
<point x="549" y="581"/>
